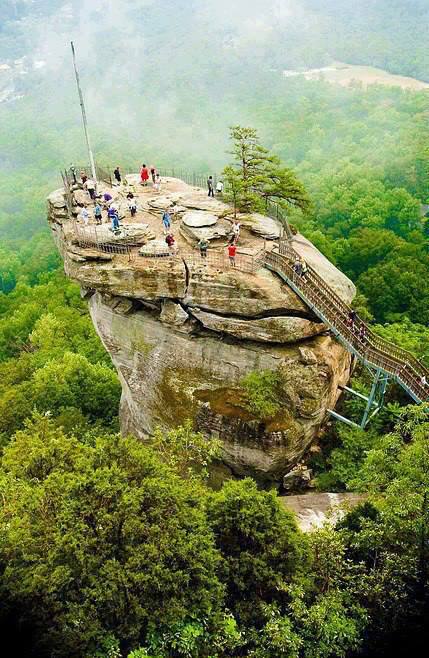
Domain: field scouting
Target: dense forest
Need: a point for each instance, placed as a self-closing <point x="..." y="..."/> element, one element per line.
<point x="112" y="548"/>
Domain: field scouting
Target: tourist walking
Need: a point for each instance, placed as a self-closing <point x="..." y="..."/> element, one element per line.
<point x="210" y="186"/>
<point x="166" y="221"/>
<point x="90" y="188"/>
<point x="132" y="206"/>
<point x="351" y="318"/>
<point x="297" y="267"/>
<point x="117" y="175"/>
<point x="153" y="174"/>
<point x="144" y="174"/>
<point x="84" y="215"/>
<point x="112" y="213"/>
<point x="362" y="333"/>
<point x="98" y="214"/>
<point x="203" y="245"/>
<point x="83" y="177"/>
<point x="232" y="250"/>
<point x="236" y="231"/>
<point x="171" y="242"/>
<point x="304" y="268"/>
<point x="157" y="185"/>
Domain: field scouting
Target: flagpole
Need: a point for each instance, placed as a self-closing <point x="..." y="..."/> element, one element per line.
<point x="84" y="119"/>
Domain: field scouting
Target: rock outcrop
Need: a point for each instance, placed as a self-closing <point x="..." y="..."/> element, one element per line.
<point x="183" y="332"/>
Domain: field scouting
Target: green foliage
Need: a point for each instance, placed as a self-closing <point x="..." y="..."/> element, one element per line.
<point x="344" y="461"/>
<point x="52" y="360"/>
<point x="101" y="539"/>
<point x="262" y="391"/>
<point x="186" y="451"/>
<point x="261" y="546"/>
<point x="257" y="177"/>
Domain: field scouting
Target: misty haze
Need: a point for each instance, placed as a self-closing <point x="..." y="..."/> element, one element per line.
<point x="214" y="328"/>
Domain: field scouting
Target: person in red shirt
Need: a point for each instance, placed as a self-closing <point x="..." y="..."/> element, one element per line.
<point x="144" y="174"/>
<point x="171" y="242"/>
<point x="232" y="250"/>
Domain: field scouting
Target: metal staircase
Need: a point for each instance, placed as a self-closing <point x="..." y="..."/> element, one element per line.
<point x="384" y="360"/>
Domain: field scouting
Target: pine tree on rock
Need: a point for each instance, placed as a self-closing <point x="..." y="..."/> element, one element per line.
<point x="257" y="177"/>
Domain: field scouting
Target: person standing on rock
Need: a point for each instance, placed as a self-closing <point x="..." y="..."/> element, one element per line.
<point x="171" y="242"/>
<point x="232" y="250"/>
<point x="117" y="175"/>
<point x="84" y="215"/>
<point x="98" y="214"/>
<point x="90" y="188"/>
<point x="153" y="174"/>
<point x="157" y="184"/>
<point x="112" y="213"/>
<point x="203" y="245"/>
<point x="236" y="231"/>
<point x="219" y="187"/>
<point x="166" y="221"/>
<point x="132" y="204"/>
<point x="144" y="175"/>
<point x="107" y="199"/>
<point x="210" y="186"/>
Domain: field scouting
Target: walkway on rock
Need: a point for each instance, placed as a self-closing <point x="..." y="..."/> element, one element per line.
<point x="371" y="350"/>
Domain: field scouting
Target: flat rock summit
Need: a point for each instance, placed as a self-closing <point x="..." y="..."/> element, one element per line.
<point x="184" y="331"/>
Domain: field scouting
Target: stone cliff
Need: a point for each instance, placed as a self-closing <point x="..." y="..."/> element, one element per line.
<point x="184" y="331"/>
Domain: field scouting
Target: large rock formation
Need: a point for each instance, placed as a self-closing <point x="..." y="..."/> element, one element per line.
<point x="183" y="332"/>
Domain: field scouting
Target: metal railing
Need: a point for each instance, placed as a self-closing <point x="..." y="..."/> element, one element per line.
<point x="333" y="311"/>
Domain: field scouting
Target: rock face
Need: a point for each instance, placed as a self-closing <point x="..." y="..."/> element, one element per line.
<point x="198" y="219"/>
<point x="183" y="334"/>
<point x="313" y="510"/>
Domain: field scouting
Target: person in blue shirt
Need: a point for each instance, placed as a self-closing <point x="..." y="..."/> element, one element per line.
<point x="98" y="214"/>
<point x="166" y="221"/>
<point x="112" y="213"/>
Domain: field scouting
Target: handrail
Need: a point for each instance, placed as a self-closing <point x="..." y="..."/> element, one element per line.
<point x="369" y="347"/>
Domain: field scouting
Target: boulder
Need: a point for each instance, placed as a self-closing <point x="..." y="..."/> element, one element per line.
<point x="198" y="219"/>
<point x="313" y="510"/>
<point x="307" y="356"/>
<point x="331" y="274"/>
<point x="155" y="248"/>
<point x="298" y="479"/>
<point x="219" y="231"/>
<point x="200" y="201"/>
<point x="137" y="233"/>
<point x="264" y="330"/>
<point x="182" y="335"/>
<point x="261" y="225"/>
<point x="56" y="199"/>
<point x="172" y="313"/>
<point x="81" y="198"/>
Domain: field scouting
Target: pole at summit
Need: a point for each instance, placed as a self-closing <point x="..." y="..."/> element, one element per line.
<point x="84" y="119"/>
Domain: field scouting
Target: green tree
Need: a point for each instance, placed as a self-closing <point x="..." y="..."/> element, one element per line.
<point x="101" y="539"/>
<point x="257" y="177"/>
<point x="261" y="546"/>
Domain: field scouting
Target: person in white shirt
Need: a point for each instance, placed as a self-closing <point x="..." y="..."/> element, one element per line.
<point x="90" y="188"/>
<point x="236" y="231"/>
<point x="84" y="215"/>
<point x="219" y="187"/>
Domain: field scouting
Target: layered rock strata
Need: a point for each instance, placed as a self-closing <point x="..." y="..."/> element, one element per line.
<point x="183" y="333"/>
